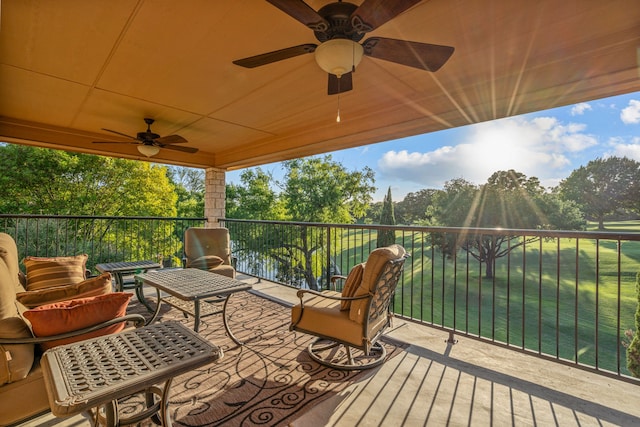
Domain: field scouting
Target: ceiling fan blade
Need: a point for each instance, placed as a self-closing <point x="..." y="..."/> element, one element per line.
<point x="115" y="142"/>
<point x="170" y="139"/>
<point x="373" y="13"/>
<point x="178" y="148"/>
<point x="339" y="85"/>
<point x="120" y="133"/>
<point x="424" y="56"/>
<point x="275" y="56"/>
<point x="302" y="12"/>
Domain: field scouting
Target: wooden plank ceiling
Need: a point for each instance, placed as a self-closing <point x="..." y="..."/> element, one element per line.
<point x="69" y="68"/>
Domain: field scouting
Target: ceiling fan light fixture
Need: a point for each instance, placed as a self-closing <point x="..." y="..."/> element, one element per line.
<point x="339" y="56"/>
<point x="148" y="150"/>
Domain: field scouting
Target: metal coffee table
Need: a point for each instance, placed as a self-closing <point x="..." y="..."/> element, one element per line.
<point x="194" y="292"/>
<point x="99" y="371"/>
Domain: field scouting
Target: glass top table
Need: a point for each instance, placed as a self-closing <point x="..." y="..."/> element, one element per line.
<point x="194" y="292"/>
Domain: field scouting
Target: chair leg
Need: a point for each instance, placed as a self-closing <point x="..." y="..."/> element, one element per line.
<point x="339" y="356"/>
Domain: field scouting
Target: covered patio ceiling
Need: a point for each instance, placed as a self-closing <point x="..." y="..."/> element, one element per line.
<point x="69" y="68"/>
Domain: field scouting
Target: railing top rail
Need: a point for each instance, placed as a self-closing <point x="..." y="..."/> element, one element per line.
<point x="605" y="235"/>
<point x="42" y="216"/>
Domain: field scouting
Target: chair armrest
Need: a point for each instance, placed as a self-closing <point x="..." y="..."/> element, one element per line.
<point x="137" y="320"/>
<point x="334" y="279"/>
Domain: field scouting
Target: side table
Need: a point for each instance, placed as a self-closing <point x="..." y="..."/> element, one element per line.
<point x="99" y="371"/>
<point x="125" y="268"/>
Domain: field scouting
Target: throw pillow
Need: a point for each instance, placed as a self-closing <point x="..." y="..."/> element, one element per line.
<point x="55" y="271"/>
<point x="68" y="316"/>
<point x="351" y="284"/>
<point x="206" y="262"/>
<point x="94" y="286"/>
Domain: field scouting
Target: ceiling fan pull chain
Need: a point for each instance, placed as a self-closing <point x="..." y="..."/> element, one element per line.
<point x="338" y="118"/>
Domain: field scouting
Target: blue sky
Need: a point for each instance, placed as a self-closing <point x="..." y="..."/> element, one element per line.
<point x="547" y="144"/>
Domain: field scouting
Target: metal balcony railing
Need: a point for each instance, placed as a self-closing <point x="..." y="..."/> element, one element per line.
<point x="104" y="239"/>
<point x="560" y="295"/>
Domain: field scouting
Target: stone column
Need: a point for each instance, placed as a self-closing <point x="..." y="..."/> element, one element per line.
<point x="214" y="193"/>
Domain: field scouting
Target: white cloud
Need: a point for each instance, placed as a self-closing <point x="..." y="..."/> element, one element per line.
<point x="631" y="114"/>
<point x="579" y="109"/>
<point x="622" y="148"/>
<point x="538" y="147"/>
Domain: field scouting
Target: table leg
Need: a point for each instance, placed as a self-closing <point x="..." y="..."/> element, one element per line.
<point x="196" y="315"/>
<point x="119" y="281"/>
<point x="226" y="323"/>
<point x="140" y="296"/>
<point x="157" y="310"/>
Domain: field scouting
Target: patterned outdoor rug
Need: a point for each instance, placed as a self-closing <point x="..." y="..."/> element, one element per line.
<point x="270" y="381"/>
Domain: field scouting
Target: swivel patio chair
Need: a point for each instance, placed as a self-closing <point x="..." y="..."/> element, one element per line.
<point x="208" y="249"/>
<point x="355" y="319"/>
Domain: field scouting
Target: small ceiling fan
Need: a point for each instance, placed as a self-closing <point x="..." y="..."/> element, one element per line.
<point x="339" y="27"/>
<point x="150" y="143"/>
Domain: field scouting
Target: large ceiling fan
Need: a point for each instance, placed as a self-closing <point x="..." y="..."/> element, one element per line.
<point x="150" y="143"/>
<point x="339" y="27"/>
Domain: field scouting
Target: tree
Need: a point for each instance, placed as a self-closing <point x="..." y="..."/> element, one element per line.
<point x="313" y="190"/>
<point x="190" y="189"/>
<point x="603" y="187"/>
<point x="254" y="198"/>
<point x="413" y="208"/>
<point x="387" y="237"/>
<point x="44" y="181"/>
<point x="633" y="346"/>
<point x="508" y="200"/>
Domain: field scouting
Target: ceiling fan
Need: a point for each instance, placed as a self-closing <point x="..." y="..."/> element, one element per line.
<point x="150" y="143"/>
<point x="339" y="27"/>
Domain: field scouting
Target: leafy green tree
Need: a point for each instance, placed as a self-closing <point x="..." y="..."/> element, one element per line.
<point x="387" y="237"/>
<point x="633" y="346"/>
<point x="254" y="198"/>
<point x="508" y="200"/>
<point x="43" y="181"/>
<point x="313" y="190"/>
<point x="603" y="187"/>
<point x="190" y="188"/>
<point x="413" y="208"/>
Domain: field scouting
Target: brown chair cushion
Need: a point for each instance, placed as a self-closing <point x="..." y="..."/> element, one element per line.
<point x="54" y="271"/>
<point x="67" y="316"/>
<point x="375" y="262"/>
<point x="9" y="254"/>
<point x="205" y="262"/>
<point x="351" y="284"/>
<point x="323" y="317"/>
<point x="16" y="360"/>
<point x="94" y="286"/>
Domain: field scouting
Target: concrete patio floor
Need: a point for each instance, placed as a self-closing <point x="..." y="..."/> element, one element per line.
<point x="433" y="383"/>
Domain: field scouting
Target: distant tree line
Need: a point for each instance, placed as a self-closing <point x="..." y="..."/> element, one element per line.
<point x="318" y="189"/>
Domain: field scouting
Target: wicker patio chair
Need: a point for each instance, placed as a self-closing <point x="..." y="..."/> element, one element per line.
<point x="354" y="319"/>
